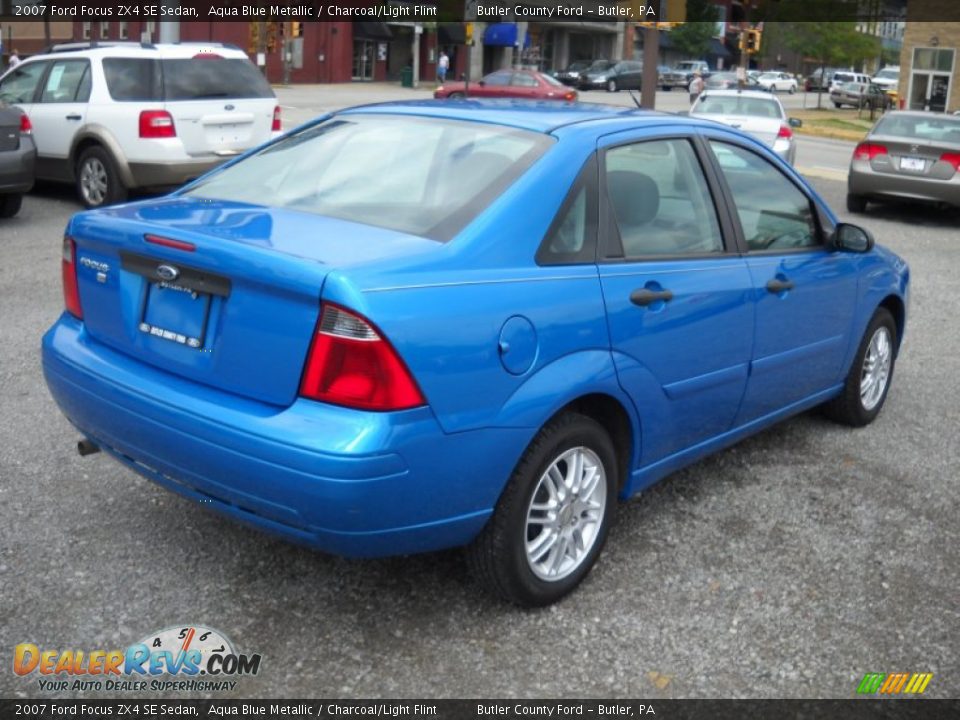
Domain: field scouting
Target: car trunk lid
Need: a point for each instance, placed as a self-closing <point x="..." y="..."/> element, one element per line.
<point x="9" y="129"/>
<point x="912" y="158"/>
<point x="226" y="294"/>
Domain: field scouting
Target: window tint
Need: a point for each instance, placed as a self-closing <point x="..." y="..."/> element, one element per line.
<point x="523" y="80"/>
<point x="67" y="82"/>
<point x="773" y="212"/>
<point x="498" y="78"/>
<point x="203" y="78"/>
<point x="572" y="238"/>
<point x="20" y="85"/>
<point x="931" y="127"/>
<point x="421" y="176"/>
<point x="132" y="79"/>
<point x="660" y="200"/>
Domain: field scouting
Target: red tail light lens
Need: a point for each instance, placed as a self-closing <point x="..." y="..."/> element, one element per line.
<point x="26" y="127"/>
<point x="952" y="158"/>
<point x="276" y="119"/>
<point x="71" y="293"/>
<point x="868" y="151"/>
<point x="207" y="56"/>
<point x="351" y="364"/>
<point x="571" y="96"/>
<point x="157" y="124"/>
<point x="785" y="132"/>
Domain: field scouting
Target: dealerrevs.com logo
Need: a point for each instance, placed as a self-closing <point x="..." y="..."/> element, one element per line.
<point x="180" y="659"/>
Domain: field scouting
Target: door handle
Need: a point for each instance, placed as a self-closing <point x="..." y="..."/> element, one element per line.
<point x="645" y="296"/>
<point x="778" y="286"/>
<point x="74" y="116"/>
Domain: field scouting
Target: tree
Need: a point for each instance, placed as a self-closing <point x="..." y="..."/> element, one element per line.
<point x="693" y="36"/>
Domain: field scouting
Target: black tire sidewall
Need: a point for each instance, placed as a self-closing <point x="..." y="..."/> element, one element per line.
<point x="881" y="317"/>
<point x="115" y="192"/>
<point x="10" y="204"/>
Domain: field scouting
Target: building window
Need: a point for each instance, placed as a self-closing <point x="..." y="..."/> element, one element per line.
<point x="930" y="79"/>
<point x="124" y="31"/>
<point x="104" y="30"/>
<point x="86" y="31"/>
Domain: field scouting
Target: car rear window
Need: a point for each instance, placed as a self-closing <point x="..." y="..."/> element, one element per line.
<point x="932" y="128"/>
<point x="730" y="105"/>
<point x="423" y="176"/>
<point x="152" y="80"/>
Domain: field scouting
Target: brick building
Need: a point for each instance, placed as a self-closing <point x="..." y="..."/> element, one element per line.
<point x="928" y="65"/>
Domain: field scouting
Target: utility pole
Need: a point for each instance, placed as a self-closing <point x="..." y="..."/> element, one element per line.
<point x="285" y="48"/>
<point x="262" y="47"/>
<point x="651" y="49"/>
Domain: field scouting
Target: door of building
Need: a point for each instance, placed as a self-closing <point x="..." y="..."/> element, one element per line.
<point x="364" y="56"/>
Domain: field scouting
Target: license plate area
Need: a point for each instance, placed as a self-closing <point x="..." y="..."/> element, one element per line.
<point x="912" y="164"/>
<point x="176" y="313"/>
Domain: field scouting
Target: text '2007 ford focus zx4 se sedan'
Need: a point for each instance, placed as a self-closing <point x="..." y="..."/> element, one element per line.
<point x="416" y="326"/>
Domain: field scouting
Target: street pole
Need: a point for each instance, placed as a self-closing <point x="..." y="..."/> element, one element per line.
<point x="286" y="49"/>
<point x="262" y="47"/>
<point x="648" y="85"/>
<point x="742" y="70"/>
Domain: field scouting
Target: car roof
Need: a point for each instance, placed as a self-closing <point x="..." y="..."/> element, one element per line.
<point x="542" y="116"/>
<point x="134" y="49"/>
<point x="741" y="93"/>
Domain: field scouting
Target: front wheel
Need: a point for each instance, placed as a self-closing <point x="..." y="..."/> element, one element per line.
<point x="793" y="89"/>
<point x="865" y="388"/>
<point x="611" y="86"/>
<point x="553" y="518"/>
<point x="10" y="205"/>
<point x="456" y="96"/>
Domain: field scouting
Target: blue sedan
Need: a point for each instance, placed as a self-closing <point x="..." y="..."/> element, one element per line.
<point x="415" y="326"/>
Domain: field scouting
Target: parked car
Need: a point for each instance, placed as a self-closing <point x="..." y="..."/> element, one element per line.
<point x="571" y="75"/>
<point x="728" y="80"/>
<point x="907" y="156"/>
<point x="842" y="77"/>
<point x="521" y="84"/>
<point x="404" y="328"/>
<point x="777" y="82"/>
<point x="18" y="155"/>
<point x="755" y="112"/>
<point x="888" y="78"/>
<point x="624" y="75"/>
<point x="861" y="95"/>
<point x="113" y="117"/>
<point x="682" y="74"/>
<point x="819" y="80"/>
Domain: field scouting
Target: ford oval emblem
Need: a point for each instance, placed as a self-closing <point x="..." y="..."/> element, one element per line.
<point x="228" y="107"/>
<point x="167" y="272"/>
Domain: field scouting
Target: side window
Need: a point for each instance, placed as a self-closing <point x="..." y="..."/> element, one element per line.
<point x="523" y="80"/>
<point x="572" y="238"/>
<point x="660" y="200"/>
<point x="20" y="85"/>
<point x="132" y="79"/>
<point x="498" y="78"/>
<point x="66" y="81"/>
<point x="773" y="212"/>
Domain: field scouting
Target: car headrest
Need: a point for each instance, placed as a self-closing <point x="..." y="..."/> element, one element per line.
<point x="635" y="196"/>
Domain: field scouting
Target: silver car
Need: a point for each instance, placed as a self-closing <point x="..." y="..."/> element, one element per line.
<point x="758" y="113"/>
<point x="907" y="156"/>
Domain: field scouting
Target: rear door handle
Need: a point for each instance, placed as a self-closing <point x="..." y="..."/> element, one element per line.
<point x="778" y="286"/>
<point x="645" y="296"/>
<point x="74" y="116"/>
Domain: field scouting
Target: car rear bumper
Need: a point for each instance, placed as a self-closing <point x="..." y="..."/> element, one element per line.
<point x="348" y="482"/>
<point x="17" y="167"/>
<point x="172" y="174"/>
<point x="862" y="180"/>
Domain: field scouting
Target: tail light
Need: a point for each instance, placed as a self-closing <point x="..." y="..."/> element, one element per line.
<point x="351" y="364"/>
<point x="275" y="127"/>
<point x="868" y="151"/>
<point x="157" y="124"/>
<point x="785" y="132"/>
<point x="952" y="158"/>
<point x="26" y="127"/>
<point x="207" y="56"/>
<point x="571" y="96"/>
<point x="71" y="293"/>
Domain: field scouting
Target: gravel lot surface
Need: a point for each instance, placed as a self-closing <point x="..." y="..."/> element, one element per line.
<point x="787" y="566"/>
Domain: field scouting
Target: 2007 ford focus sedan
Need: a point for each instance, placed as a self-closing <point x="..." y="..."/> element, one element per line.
<point x="416" y="326"/>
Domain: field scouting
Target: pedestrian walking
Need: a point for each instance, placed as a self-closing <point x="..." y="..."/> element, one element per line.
<point x="696" y="86"/>
<point x="443" y="64"/>
<point x="14" y="59"/>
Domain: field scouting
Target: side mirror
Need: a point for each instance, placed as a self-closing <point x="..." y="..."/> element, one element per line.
<point x="852" y="238"/>
<point x="795" y="122"/>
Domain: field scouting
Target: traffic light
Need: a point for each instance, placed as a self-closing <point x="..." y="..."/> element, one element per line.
<point x="468" y="32"/>
<point x="753" y="41"/>
<point x="296" y="29"/>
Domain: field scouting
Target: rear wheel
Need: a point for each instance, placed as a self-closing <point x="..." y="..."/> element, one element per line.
<point x="837" y="105"/>
<point x="611" y="86"/>
<point x="856" y="203"/>
<point x="98" y="182"/>
<point x="552" y="520"/>
<point x="867" y="383"/>
<point x="793" y="89"/>
<point x="10" y="205"/>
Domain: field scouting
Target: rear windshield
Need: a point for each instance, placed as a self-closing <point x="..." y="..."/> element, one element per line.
<point x="932" y="128"/>
<point x="887" y="75"/>
<point x="423" y="176"/>
<point x="729" y="105"/>
<point x="152" y="80"/>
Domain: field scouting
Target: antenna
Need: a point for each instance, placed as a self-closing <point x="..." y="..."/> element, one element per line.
<point x="635" y="100"/>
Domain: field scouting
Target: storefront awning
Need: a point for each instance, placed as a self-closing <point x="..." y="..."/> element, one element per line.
<point x="718" y="49"/>
<point x="372" y="30"/>
<point x="451" y="34"/>
<point x="503" y="35"/>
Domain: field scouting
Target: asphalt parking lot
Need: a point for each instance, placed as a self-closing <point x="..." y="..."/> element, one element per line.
<point x="788" y="566"/>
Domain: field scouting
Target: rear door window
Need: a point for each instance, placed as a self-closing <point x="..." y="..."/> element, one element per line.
<point x="68" y="81"/>
<point x="212" y="77"/>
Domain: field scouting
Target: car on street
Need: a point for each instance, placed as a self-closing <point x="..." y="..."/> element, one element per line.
<point x="842" y="77"/>
<point x="819" y="79"/>
<point x="18" y="155"/>
<point x="861" y="95"/>
<point x="777" y="82"/>
<point x="115" y="117"/>
<point x="623" y="75"/>
<point x="758" y="113"/>
<point x="728" y="81"/>
<point x="414" y="326"/>
<point x="682" y="74"/>
<point x="888" y="78"/>
<point x="571" y="75"/>
<point x="907" y="156"/>
<point x="519" y="84"/>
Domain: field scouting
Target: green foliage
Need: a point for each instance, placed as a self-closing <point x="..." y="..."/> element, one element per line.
<point x="693" y="37"/>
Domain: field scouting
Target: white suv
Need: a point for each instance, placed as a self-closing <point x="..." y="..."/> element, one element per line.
<point x="112" y="117"/>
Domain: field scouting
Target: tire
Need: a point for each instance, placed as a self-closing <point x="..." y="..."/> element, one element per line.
<point x="856" y="203"/>
<point x="858" y="405"/>
<point x="666" y="88"/>
<point x="98" y="183"/>
<point x="10" y="205"/>
<point x="793" y="89"/>
<point x="456" y="96"/>
<point x="500" y="557"/>
<point x="612" y="86"/>
<point x="837" y="105"/>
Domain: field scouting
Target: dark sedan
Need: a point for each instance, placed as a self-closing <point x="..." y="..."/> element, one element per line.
<point x="624" y="75"/>
<point x="571" y="75"/>
<point x="522" y="84"/>
<point x="18" y="155"/>
<point x="912" y="156"/>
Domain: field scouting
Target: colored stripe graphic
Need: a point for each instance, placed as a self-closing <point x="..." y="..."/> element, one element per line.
<point x="894" y="683"/>
<point x="870" y="683"/>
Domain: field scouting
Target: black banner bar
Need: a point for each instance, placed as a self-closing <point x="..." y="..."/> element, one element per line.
<point x="860" y="709"/>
